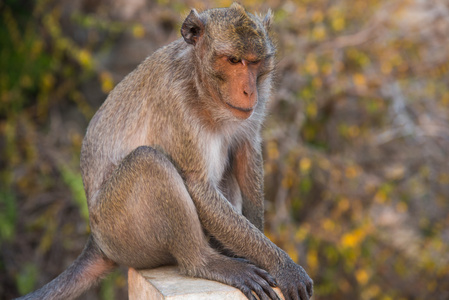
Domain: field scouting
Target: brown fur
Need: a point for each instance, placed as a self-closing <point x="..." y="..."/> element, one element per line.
<point x="175" y="152"/>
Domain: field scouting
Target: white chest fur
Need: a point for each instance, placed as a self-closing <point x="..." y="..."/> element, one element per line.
<point x="215" y="153"/>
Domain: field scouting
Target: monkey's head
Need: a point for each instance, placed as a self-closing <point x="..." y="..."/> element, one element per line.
<point x="234" y="57"/>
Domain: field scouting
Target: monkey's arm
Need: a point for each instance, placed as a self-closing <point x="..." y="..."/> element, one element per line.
<point x="237" y="233"/>
<point x="248" y="170"/>
<point x="220" y="219"/>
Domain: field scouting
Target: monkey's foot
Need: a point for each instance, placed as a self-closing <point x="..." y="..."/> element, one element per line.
<point x="239" y="274"/>
<point x="294" y="282"/>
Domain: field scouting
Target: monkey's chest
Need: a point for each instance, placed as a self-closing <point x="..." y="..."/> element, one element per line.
<point x="215" y="150"/>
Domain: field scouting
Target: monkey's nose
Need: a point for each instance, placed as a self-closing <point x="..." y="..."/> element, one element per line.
<point x="248" y="92"/>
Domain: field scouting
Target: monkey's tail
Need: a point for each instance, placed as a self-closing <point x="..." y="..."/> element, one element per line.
<point x="83" y="273"/>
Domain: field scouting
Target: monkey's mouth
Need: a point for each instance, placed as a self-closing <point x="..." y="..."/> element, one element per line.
<point x="242" y="109"/>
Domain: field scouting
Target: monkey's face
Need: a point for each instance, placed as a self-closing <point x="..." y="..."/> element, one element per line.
<point x="237" y="81"/>
<point x="235" y="56"/>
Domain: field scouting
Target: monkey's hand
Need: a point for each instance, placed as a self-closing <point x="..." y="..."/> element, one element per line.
<point x="293" y="281"/>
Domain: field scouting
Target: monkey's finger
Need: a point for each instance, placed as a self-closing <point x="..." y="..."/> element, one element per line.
<point x="260" y="292"/>
<point x="259" y="284"/>
<point x="310" y="289"/>
<point x="247" y="292"/>
<point x="303" y="292"/>
<point x="292" y="295"/>
<point x="264" y="290"/>
<point x="271" y="293"/>
<point x="267" y="277"/>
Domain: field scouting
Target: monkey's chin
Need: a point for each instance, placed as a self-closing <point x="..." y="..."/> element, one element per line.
<point x="240" y="112"/>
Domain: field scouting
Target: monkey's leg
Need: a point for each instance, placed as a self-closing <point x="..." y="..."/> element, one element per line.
<point x="144" y="217"/>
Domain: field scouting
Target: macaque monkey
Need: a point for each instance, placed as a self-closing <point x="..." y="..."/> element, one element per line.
<point x="172" y="165"/>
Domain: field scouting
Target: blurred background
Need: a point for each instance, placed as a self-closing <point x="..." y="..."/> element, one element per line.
<point x="356" y="142"/>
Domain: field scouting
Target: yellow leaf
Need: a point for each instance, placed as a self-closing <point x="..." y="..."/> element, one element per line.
<point x="328" y="225"/>
<point x="138" y="31"/>
<point x="312" y="260"/>
<point x="380" y="197"/>
<point x="343" y="204"/>
<point x="301" y="233"/>
<point x="272" y="149"/>
<point x="107" y="83"/>
<point x="362" y="276"/>
<point x="353" y="131"/>
<point x="359" y="80"/>
<point x="37" y="48"/>
<point x="269" y="235"/>
<point x="48" y="81"/>
<point x="352" y="239"/>
<point x="349" y="240"/>
<point x="445" y="99"/>
<point x="85" y="58"/>
<point x="351" y="172"/>
<point x="311" y="110"/>
<point x="311" y="65"/>
<point x="319" y="33"/>
<point x="292" y="252"/>
<point x="338" y="23"/>
<point x="287" y="181"/>
<point x="304" y="164"/>
<point x="327" y="69"/>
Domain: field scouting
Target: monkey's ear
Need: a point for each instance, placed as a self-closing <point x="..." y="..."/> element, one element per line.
<point x="267" y="20"/>
<point x="192" y="28"/>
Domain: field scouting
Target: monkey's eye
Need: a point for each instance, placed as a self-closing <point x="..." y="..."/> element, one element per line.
<point x="234" y="60"/>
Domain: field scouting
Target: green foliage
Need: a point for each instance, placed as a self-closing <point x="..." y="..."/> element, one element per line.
<point x="26" y="279"/>
<point x="8" y="215"/>
<point x="110" y="283"/>
<point x="75" y="183"/>
<point x="25" y="66"/>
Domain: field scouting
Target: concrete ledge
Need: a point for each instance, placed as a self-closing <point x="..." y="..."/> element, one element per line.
<point x="166" y="283"/>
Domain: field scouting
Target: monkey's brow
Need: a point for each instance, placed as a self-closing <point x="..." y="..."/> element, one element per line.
<point x="251" y="56"/>
<point x="240" y="51"/>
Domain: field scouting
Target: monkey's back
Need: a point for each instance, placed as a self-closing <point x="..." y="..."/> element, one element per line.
<point x="147" y="100"/>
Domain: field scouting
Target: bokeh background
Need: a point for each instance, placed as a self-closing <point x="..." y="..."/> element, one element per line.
<point x="356" y="142"/>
